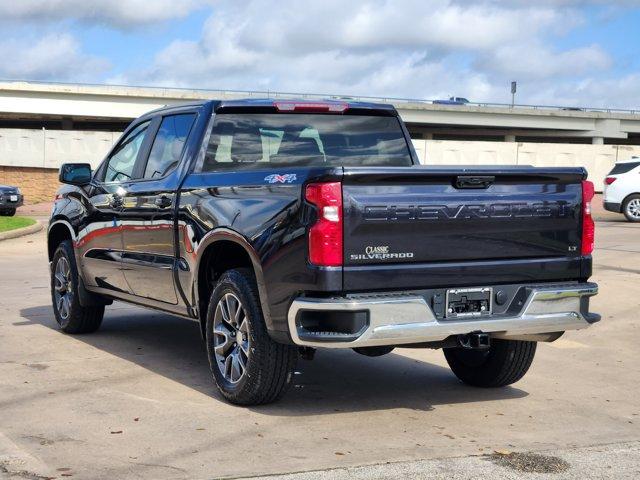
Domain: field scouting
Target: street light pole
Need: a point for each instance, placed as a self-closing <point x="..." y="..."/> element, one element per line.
<point x="514" y="87"/>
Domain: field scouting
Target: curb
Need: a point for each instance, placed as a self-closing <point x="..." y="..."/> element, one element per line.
<point x="21" y="232"/>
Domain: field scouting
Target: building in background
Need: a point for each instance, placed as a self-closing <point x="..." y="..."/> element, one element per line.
<point x="43" y="125"/>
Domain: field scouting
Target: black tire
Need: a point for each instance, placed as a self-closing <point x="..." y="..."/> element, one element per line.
<point x="268" y="366"/>
<point x="632" y="215"/>
<point x="504" y="363"/>
<point x="71" y="317"/>
<point x="374" y="351"/>
<point x="8" y="213"/>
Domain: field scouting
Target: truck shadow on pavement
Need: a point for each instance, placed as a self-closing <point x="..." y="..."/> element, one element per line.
<point x="335" y="381"/>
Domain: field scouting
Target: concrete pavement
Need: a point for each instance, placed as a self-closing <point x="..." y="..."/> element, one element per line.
<point x="617" y="461"/>
<point x="135" y="400"/>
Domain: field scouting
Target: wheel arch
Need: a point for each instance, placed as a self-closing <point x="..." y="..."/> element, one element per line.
<point x="221" y="250"/>
<point x="624" y="200"/>
<point x="58" y="231"/>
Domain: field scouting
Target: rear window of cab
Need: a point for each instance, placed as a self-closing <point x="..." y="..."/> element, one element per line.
<point x="245" y="141"/>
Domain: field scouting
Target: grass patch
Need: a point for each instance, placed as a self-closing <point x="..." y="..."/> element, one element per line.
<point x="11" y="223"/>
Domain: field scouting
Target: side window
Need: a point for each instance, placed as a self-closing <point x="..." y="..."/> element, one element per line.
<point x="122" y="160"/>
<point x="168" y="144"/>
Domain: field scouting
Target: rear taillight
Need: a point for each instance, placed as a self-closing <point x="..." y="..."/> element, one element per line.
<point x="609" y="180"/>
<point x="588" y="226"/>
<point x="325" y="236"/>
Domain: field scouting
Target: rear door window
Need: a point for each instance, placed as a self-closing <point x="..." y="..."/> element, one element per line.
<point x="258" y="141"/>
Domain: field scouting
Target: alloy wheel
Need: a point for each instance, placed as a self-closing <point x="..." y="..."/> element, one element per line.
<point x="63" y="288"/>
<point x="231" y="338"/>
<point x="633" y="208"/>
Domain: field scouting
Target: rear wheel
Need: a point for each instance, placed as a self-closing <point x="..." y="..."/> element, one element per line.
<point x="8" y="213"/>
<point x="70" y="315"/>
<point x="631" y="208"/>
<point x="249" y="368"/>
<point x="504" y="363"/>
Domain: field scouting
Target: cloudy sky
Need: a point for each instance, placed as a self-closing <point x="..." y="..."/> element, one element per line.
<point x="561" y="52"/>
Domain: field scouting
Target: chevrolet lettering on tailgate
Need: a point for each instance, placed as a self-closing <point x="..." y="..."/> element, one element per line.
<point x="461" y="212"/>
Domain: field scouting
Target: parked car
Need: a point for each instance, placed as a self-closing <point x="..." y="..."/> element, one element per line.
<point x="10" y="199"/>
<point x="622" y="189"/>
<point x="286" y="226"/>
<point x="452" y="101"/>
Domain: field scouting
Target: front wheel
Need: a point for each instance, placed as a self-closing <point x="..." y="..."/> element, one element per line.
<point x="631" y="208"/>
<point x="249" y="368"/>
<point x="504" y="363"/>
<point x="71" y="316"/>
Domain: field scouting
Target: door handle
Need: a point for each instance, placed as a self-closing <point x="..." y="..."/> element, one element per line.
<point x="163" y="201"/>
<point x="117" y="198"/>
<point x="116" y="202"/>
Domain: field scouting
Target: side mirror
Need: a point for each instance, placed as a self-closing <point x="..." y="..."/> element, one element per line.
<point x="75" y="174"/>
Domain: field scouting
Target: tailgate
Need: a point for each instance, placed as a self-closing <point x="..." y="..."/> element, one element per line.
<point x="426" y="216"/>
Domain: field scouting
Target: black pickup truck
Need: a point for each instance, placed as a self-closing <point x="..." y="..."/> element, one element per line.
<point x="287" y="226"/>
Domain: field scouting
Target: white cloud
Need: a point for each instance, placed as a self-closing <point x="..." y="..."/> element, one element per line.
<point x="408" y="48"/>
<point x="118" y="13"/>
<point x="563" y="3"/>
<point x="395" y="48"/>
<point x="52" y="57"/>
<point x="622" y="92"/>
<point x="536" y="61"/>
<point x="441" y="24"/>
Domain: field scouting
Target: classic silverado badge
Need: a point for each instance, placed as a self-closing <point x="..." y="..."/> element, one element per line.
<point x="277" y="178"/>
<point x="380" y="252"/>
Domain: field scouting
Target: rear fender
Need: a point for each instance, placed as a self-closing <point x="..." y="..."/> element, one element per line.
<point x="226" y="234"/>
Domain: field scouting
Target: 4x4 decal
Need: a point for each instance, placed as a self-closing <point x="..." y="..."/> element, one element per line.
<point x="277" y="178"/>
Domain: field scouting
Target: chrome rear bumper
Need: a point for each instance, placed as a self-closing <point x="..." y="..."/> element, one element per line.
<point x="406" y="319"/>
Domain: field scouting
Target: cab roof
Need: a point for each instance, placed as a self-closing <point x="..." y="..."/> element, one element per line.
<point x="304" y="106"/>
<point x="293" y="105"/>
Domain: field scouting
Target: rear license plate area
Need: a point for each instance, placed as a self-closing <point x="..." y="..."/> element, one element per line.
<point x="469" y="302"/>
<point x="13" y="198"/>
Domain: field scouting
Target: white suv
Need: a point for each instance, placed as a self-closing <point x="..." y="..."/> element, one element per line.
<point x="622" y="189"/>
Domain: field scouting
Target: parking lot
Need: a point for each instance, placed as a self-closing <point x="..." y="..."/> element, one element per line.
<point x="136" y="399"/>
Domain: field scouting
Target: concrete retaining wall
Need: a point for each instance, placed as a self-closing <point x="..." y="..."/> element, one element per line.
<point x="51" y="148"/>
<point x="597" y="159"/>
<point x="30" y="159"/>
